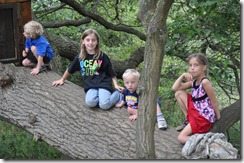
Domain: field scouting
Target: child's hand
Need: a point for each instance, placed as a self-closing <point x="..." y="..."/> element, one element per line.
<point x="35" y="71"/>
<point x="24" y="53"/>
<point x="133" y="117"/>
<point x="187" y="76"/>
<point x="58" y="82"/>
<point x="120" y="89"/>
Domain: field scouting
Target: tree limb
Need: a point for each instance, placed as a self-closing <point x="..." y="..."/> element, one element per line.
<point x="229" y="116"/>
<point x="58" y="116"/>
<point x="66" y="23"/>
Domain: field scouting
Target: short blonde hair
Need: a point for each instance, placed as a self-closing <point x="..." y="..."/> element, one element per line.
<point x="33" y="28"/>
<point x="129" y="72"/>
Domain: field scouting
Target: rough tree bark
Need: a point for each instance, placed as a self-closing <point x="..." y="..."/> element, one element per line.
<point x="153" y="15"/>
<point x="58" y="116"/>
<point x="229" y="116"/>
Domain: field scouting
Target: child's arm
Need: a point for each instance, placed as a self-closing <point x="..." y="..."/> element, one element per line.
<point x="178" y="85"/>
<point x="116" y="85"/>
<point x="210" y="92"/>
<point x="39" y="62"/>
<point x="62" y="79"/>
<point x="36" y="70"/>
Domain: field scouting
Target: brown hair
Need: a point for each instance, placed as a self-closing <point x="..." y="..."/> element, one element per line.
<point x="201" y="58"/>
<point x="83" y="51"/>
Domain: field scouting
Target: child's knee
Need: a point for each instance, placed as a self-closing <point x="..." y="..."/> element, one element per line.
<point x="180" y="94"/>
<point x="181" y="139"/>
<point x="91" y="103"/>
<point x="177" y="94"/>
<point x="25" y="62"/>
<point x="105" y="105"/>
<point x="33" y="49"/>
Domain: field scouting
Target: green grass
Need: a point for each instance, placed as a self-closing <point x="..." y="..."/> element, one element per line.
<point x="18" y="144"/>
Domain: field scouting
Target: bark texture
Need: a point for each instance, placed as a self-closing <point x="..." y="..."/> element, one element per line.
<point x="58" y="116"/>
<point x="153" y="15"/>
<point x="229" y="116"/>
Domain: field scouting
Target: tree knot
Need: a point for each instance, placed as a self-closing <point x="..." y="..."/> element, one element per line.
<point x="37" y="137"/>
<point x="32" y="118"/>
<point x="5" y="79"/>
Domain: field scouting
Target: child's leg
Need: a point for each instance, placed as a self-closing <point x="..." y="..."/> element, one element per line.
<point x="31" y="60"/>
<point x="116" y="97"/>
<point x="158" y="109"/>
<point x="91" y="98"/>
<point x="159" y="112"/>
<point x="185" y="134"/>
<point x="27" y="63"/>
<point x="46" y="62"/>
<point x="181" y="97"/>
<point x="160" y="118"/>
<point x="107" y="99"/>
<point x="34" y="51"/>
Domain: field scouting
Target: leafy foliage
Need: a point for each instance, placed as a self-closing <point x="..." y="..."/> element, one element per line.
<point x="212" y="27"/>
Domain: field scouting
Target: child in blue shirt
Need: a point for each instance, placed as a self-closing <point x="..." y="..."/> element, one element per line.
<point x="38" y="51"/>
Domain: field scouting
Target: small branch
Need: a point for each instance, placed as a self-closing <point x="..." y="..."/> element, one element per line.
<point x="67" y="23"/>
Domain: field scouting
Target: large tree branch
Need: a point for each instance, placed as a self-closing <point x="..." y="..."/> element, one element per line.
<point x="49" y="10"/>
<point x="229" y="116"/>
<point x="58" y="116"/>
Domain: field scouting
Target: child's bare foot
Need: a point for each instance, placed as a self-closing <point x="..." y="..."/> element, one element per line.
<point x="119" y="105"/>
<point x="133" y="117"/>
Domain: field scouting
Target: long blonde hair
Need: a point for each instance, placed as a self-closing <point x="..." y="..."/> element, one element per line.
<point x="34" y="29"/>
<point x="83" y="52"/>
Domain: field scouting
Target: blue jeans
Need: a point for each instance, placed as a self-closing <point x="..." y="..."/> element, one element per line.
<point x="102" y="98"/>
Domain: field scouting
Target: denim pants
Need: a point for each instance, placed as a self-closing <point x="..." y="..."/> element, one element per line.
<point x="102" y="98"/>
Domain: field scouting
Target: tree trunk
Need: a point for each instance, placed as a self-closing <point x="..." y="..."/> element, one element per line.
<point x="153" y="15"/>
<point x="58" y="116"/>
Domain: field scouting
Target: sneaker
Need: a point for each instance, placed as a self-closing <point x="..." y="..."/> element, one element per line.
<point x="43" y="68"/>
<point x="162" y="124"/>
<point x="182" y="126"/>
<point x="48" y="66"/>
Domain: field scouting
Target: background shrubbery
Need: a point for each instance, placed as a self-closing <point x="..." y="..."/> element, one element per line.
<point x="192" y="26"/>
